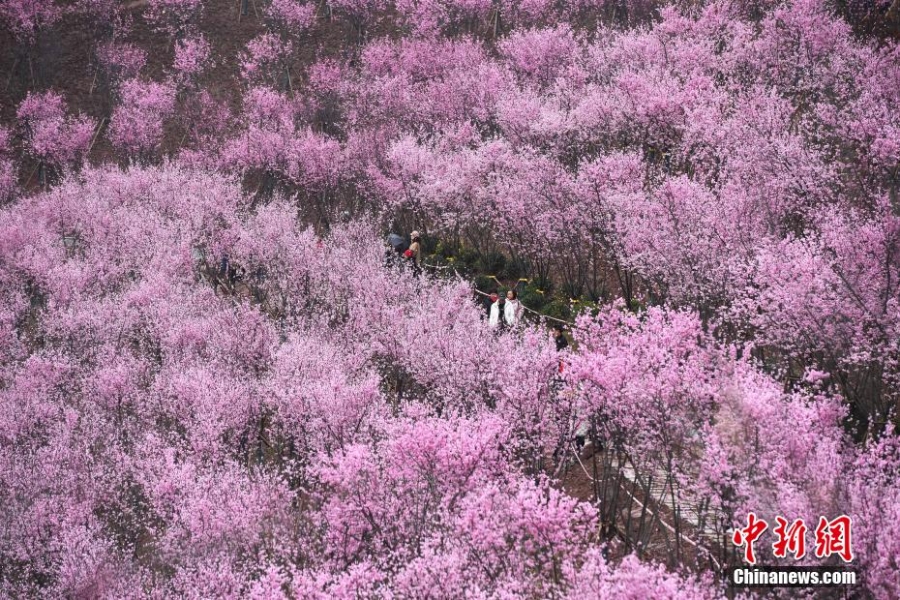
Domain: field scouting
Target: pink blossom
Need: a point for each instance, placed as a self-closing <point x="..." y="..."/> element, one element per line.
<point x="175" y="17"/>
<point x="294" y="16"/>
<point x="265" y="60"/>
<point x="136" y="127"/>
<point x="54" y="137"/>
<point x="192" y="57"/>
<point x="8" y="181"/>
<point x="121" y="59"/>
<point x="27" y="18"/>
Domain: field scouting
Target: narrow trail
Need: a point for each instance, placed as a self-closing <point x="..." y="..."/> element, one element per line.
<point x="638" y="509"/>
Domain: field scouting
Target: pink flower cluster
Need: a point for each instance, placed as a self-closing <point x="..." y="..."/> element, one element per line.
<point x="27" y="18"/>
<point x="136" y="126"/>
<point x="718" y="179"/>
<point x="54" y="137"/>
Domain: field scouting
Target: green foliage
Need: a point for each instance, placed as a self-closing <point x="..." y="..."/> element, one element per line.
<point x="429" y="244"/>
<point x="485" y="284"/>
<point x="514" y="269"/>
<point x="637" y="305"/>
<point x="442" y="250"/>
<point x="582" y="306"/>
<point x="492" y="263"/>
<point x="467" y="256"/>
<point x="533" y="297"/>
<point x="558" y="307"/>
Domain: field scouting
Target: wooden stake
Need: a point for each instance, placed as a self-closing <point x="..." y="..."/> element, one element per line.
<point x="91" y="91"/>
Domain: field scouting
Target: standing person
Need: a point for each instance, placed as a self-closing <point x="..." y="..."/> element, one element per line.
<point x="512" y="312"/>
<point x="560" y="339"/>
<point x="494" y="310"/>
<point x="561" y="343"/>
<point x="415" y="246"/>
<point x="396" y="246"/>
<point x="414" y="252"/>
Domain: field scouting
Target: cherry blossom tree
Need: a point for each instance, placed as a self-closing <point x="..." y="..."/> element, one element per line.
<point x="121" y="60"/>
<point x="8" y="177"/>
<point x="266" y="61"/>
<point x="192" y="57"/>
<point x="291" y="17"/>
<point x="359" y="13"/>
<point x="213" y="385"/>
<point x="136" y="126"/>
<point x="26" y="19"/>
<point x="235" y="440"/>
<point x="175" y="17"/>
<point x="57" y="141"/>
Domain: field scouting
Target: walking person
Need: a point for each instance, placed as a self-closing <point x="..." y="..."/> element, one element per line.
<point x="513" y="309"/>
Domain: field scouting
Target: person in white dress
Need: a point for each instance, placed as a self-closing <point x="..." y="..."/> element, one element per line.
<point x="494" y="318"/>
<point x="513" y="310"/>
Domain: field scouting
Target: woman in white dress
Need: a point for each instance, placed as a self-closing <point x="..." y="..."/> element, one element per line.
<point x="494" y="319"/>
<point x="512" y="312"/>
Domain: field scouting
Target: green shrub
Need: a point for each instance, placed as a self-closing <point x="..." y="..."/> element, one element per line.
<point x="558" y="307"/>
<point x="492" y="263"/>
<point x="533" y="298"/>
<point x="467" y="256"/>
<point x="514" y="269"/>
<point x="485" y="284"/>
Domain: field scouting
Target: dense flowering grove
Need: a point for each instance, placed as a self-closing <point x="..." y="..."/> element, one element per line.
<point x="720" y="178"/>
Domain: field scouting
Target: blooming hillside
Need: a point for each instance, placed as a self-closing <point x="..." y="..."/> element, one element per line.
<point x="214" y="382"/>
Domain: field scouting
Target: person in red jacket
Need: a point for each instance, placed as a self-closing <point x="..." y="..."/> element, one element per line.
<point x="561" y="343"/>
<point x="414" y="253"/>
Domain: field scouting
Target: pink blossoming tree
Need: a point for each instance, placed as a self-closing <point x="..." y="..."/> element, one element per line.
<point x="136" y="126"/>
<point x="57" y="141"/>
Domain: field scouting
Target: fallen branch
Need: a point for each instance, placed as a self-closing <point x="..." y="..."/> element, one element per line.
<point x="97" y="134"/>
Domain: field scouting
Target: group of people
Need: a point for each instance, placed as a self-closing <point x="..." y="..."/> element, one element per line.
<point x="402" y="254"/>
<point x="502" y="312"/>
<point x="507" y="312"/>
